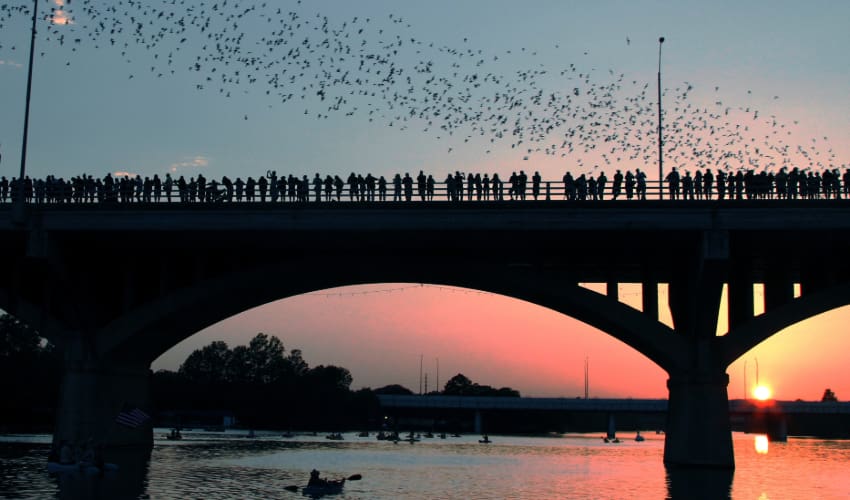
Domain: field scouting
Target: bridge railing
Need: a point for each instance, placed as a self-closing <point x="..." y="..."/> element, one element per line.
<point x="550" y="190"/>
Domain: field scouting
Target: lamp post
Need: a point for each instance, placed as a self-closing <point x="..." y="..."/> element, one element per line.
<point x="18" y="209"/>
<point x="660" y="139"/>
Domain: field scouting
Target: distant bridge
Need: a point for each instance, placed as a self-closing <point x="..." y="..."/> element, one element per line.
<point x="778" y="419"/>
<point x="117" y="286"/>
<point x="600" y="404"/>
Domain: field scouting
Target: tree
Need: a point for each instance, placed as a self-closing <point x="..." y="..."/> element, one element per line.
<point x="829" y="396"/>
<point x="394" y="389"/>
<point x="209" y="364"/>
<point x="17" y="340"/>
<point x="459" y="385"/>
<point x="30" y="376"/>
<point x="329" y="378"/>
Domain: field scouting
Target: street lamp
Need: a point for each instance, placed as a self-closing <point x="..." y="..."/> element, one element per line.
<point x="18" y="209"/>
<point x="660" y="139"/>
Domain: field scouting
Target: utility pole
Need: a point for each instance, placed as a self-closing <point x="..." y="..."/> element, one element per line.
<point x="586" y="377"/>
<point x="660" y="138"/>
<point x="18" y="208"/>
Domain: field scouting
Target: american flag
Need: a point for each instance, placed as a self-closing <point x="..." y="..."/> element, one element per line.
<point x="131" y="416"/>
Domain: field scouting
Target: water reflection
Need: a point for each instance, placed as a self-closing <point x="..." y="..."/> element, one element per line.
<point x="686" y="483"/>
<point x="129" y="481"/>
<point x="761" y="444"/>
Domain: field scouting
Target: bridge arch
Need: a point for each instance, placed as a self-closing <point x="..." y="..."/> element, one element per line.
<point x="153" y="328"/>
<point x="739" y="340"/>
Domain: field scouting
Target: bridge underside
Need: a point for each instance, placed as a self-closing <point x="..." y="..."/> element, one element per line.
<point x="116" y="289"/>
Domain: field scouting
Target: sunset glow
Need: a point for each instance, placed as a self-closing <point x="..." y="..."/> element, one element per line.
<point x="761" y="444"/>
<point x="762" y="393"/>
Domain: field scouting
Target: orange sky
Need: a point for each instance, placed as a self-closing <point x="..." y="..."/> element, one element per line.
<point x="379" y="332"/>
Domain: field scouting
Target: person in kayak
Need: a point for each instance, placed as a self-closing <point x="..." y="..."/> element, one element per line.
<point x="315" y="480"/>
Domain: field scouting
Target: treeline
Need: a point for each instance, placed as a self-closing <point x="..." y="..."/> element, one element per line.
<point x="30" y="377"/>
<point x="265" y="387"/>
<point x="261" y="383"/>
<point x="268" y="387"/>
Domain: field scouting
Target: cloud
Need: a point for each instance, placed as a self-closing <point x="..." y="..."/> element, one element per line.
<point x="123" y="173"/>
<point x="59" y="16"/>
<point x="10" y="63"/>
<point x="198" y="161"/>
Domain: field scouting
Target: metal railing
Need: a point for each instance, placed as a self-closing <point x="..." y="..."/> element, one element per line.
<point x="215" y="192"/>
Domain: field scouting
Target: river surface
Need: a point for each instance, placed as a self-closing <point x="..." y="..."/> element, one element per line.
<point x="233" y="466"/>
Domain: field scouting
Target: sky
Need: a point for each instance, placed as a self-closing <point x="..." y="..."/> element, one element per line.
<point x="238" y="88"/>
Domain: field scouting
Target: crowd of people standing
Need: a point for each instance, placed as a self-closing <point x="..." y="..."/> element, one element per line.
<point x="704" y="184"/>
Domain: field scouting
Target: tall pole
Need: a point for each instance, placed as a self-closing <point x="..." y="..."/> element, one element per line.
<point x="660" y="139"/>
<point x="420" y="374"/>
<point x="586" y="376"/>
<point x="19" y="201"/>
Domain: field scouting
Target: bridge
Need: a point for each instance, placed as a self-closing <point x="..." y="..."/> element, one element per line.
<point x="775" y="418"/>
<point x="117" y="286"/>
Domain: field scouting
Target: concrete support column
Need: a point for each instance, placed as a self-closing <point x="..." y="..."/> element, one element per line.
<point x="740" y="295"/>
<point x="778" y="291"/>
<point x="93" y="393"/>
<point x="698" y="433"/>
<point x="612" y="426"/>
<point x="612" y="290"/>
<point x="649" y="293"/>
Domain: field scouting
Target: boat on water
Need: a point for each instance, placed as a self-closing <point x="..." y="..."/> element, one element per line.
<point x="334" y="436"/>
<point x="638" y="437"/>
<point x="174" y="435"/>
<point x="387" y="436"/>
<point x="79" y="468"/>
<point x="485" y="440"/>
<point x="328" y="488"/>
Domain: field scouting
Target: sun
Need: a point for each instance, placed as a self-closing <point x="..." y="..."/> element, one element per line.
<point x="762" y="393"/>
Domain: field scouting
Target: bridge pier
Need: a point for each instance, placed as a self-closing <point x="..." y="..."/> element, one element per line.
<point x="612" y="426"/>
<point x="698" y="433"/>
<point x="92" y="395"/>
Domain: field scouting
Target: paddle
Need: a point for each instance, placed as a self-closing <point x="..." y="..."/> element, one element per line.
<point x="294" y="488"/>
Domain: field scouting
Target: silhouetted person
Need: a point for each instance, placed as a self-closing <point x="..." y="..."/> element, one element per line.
<point x="673" y="184"/>
<point x="617" y="187"/>
<point x="382" y="188"/>
<point x="535" y="184"/>
<point x="397" y="187"/>
<point x="707" y="184"/>
<point x="407" y="182"/>
<point x="601" y="181"/>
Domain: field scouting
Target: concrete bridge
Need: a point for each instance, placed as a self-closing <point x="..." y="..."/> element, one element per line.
<point x="118" y="286"/>
<point x="778" y="419"/>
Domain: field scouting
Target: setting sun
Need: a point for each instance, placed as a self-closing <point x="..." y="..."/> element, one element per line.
<point x="762" y="393"/>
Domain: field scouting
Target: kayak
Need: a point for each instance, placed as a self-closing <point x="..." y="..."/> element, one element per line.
<point x="79" y="468"/>
<point x="329" y="488"/>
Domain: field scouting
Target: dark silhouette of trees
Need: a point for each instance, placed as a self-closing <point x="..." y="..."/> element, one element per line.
<point x="394" y="389"/>
<point x="461" y="385"/>
<point x="264" y="386"/>
<point x="829" y="396"/>
<point x="30" y="377"/>
<point x="210" y="364"/>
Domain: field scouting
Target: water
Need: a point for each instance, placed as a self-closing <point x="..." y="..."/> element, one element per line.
<point x="232" y="466"/>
